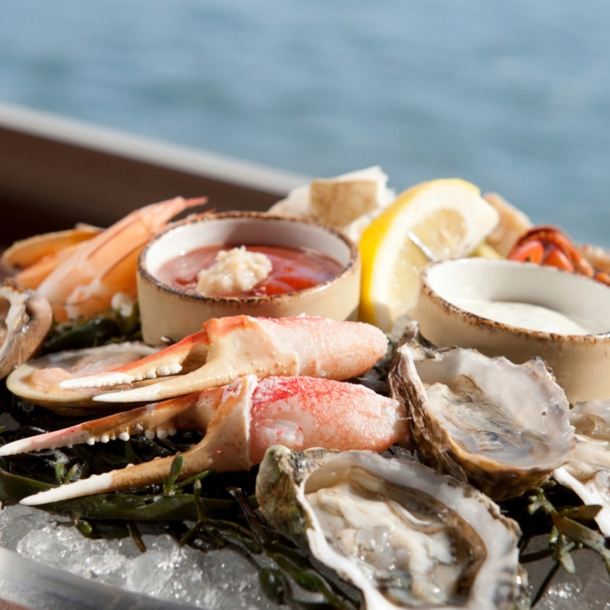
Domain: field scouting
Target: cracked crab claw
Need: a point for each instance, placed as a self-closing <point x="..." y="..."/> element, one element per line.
<point x="240" y="420"/>
<point x="228" y="348"/>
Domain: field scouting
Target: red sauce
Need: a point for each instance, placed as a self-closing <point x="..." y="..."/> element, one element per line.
<point x="292" y="269"/>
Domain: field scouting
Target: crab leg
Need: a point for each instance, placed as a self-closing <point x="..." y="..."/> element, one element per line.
<point x="228" y="348"/>
<point x="241" y="421"/>
<point x="163" y="419"/>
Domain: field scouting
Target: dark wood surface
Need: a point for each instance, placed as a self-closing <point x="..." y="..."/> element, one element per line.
<point x="48" y="183"/>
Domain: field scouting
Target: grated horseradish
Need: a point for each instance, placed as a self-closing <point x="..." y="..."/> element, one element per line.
<point x="235" y="270"/>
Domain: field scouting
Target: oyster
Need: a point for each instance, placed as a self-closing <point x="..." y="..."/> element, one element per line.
<point x="502" y="426"/>
<point x="37" y="380"/>
<point x="25" y="319"/>
<point x="587" y="473"/>
<point x="403" y="534"/>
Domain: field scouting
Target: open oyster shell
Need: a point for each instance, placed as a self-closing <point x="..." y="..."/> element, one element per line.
<point x="403" y="534"/>
<point x="25" y="319"/>
<point x="587" y="472"/>
<point x="38" y="379"/>
<point x="502" y="426"/>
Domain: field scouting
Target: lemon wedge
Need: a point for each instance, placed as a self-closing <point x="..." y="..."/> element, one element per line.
<point x="434" y="220"/>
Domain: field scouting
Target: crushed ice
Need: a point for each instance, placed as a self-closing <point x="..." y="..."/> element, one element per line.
<point x="213" y="580"/>
<point x="218" y="579"/>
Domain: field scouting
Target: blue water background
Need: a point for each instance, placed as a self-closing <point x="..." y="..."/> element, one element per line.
<point x="513" y="95"/>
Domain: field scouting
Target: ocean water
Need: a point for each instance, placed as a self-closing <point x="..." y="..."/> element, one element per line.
<point x="512" y="95"/>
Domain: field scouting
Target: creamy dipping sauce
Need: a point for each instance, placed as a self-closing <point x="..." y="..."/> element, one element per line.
<point x="292" y="269"/>
<point x="523" y="315"/>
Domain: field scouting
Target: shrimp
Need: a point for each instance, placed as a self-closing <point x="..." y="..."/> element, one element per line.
<point x="84" y="282"/>
<point x="33" y="258"/>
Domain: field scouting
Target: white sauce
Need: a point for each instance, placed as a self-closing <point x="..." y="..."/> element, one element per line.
<point x="234" y="271"/>
<point x="523" y="315"/>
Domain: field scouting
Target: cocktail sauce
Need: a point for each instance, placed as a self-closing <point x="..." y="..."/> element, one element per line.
<point x="292" y="269"/>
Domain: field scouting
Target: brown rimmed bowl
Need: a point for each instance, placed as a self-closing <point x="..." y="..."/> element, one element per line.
<point x="170" y="313"/>
<point x="580" y="361"/>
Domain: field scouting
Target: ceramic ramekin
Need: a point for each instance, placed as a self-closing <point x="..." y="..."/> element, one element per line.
<point x="170" y="313"/>
<point x="580" y="362"/>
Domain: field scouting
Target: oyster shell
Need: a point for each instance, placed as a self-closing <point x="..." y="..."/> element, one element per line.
<point x="502" y="426"/>
<point x="403" y="534"/>
<point x="587" y="472"/>
<point x="37" y="380"/>
<point x="25" y="319"/>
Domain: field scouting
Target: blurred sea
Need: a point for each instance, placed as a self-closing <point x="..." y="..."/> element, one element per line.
<point x="512" y="95"/>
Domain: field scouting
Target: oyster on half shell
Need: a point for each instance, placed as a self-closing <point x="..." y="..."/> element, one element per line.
<point x="587" y="472"/>
<point x="404" y="535"/>
<point x="502" y="426"/>
<point x="38" y="379"/>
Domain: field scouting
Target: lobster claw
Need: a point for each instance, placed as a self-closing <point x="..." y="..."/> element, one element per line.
<point x="546" y="245"/>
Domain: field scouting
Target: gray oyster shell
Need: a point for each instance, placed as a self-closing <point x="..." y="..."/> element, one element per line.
<point x="502" y="426"/>
<point x="406" y="536"/>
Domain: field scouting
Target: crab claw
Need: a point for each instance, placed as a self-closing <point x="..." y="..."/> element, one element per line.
<point x="163" y="419"/>
<point x="228" y="348"/>
<point x="241" y="421"/>
<point x="188" y="354"/>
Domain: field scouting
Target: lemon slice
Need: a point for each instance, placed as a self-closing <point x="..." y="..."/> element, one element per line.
<point x="434" y="220"/>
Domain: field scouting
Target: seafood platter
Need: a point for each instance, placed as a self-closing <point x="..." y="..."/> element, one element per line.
<point x="380" y="400"/>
